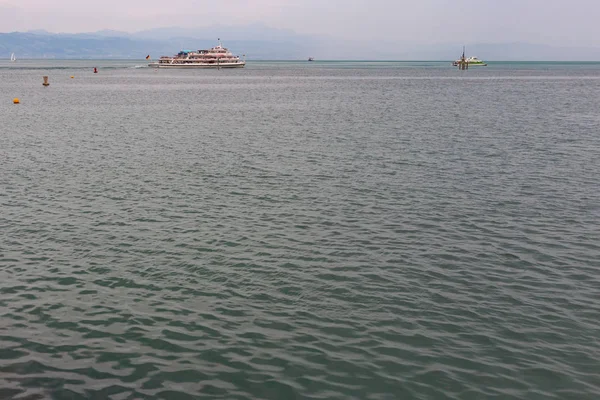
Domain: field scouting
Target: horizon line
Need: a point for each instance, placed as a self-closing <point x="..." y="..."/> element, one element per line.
<point x="315" y="61"/>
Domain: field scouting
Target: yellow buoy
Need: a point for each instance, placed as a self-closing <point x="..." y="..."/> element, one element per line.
<point x="72" y="77"/>
<point x="16" y="100"/>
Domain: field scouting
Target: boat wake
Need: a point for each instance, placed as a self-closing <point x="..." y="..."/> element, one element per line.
<point x="67" y="67"/>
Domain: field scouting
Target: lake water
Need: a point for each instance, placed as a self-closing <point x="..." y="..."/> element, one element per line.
<point x="327" y="230"/>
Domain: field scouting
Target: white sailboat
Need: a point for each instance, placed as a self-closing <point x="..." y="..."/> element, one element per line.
<point x="13" y="58"/>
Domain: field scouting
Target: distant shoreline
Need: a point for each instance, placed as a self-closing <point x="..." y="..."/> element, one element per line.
<point x="316" y="61"/>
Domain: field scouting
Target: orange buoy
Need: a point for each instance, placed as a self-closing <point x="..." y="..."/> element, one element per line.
<point x="16" y="100"/>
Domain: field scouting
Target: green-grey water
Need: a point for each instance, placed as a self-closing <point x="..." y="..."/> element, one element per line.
<point x="300" y="231"/>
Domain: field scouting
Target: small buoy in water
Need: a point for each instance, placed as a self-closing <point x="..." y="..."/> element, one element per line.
<point x="95" y="70"/>
<point x="16" y="101"/>
<point x="45" y="81"/>
<point x="72" y="77"/>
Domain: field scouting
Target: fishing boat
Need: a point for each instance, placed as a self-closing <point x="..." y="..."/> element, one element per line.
<point x="215" y="57"/>
<point x="12" y="57"/>
<point x="311" y="59"/>
<point x="471" y="62"/>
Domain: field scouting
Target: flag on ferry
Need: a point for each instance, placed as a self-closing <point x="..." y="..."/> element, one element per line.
<point x="148" y="57"/>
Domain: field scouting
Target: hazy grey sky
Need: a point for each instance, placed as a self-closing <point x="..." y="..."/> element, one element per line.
<point x="573" y="22"/>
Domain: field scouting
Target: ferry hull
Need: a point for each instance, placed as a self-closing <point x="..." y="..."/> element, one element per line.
<point x="197" y="66"/>
<point x="456" y="64"/>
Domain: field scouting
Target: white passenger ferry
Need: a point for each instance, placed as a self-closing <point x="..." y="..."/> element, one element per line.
<point x="216" y="57"/>
<point x="471" y="61"/>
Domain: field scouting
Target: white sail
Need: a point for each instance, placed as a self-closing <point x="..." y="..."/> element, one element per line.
<point x="12" y="57"/>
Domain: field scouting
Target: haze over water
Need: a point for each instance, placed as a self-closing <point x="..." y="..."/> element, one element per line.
<point x="300" y="231"/>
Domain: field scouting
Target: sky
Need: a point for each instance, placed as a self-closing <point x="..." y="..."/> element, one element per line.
<point x="556" y="22"/>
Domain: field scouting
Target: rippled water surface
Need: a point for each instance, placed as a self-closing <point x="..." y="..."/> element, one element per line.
<point x="300" y="231"/>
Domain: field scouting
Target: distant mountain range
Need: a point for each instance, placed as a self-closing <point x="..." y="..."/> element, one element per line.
<point x="262" y="42"/>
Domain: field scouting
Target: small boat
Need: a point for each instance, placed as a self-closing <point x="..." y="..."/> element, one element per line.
<point x="13" y="58"/>
<point x="216" y="57"/>
<point x="311" y="59"/>
<point x="471" y="62"/>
